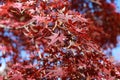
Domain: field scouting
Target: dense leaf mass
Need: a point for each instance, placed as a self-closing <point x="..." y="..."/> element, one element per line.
<point x="57" y="40"/>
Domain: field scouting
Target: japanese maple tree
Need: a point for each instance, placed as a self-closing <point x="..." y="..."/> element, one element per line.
<point x="57" y="40"/>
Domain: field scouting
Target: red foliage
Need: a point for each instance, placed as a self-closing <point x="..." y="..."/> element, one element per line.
<point x="58" y="41"/>
<point x="104" y="17"/>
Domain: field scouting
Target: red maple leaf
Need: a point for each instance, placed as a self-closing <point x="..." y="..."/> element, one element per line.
<point x="53" y="38"/>
<point x="57" y="37"/>
<point x="4" y="8"/>
<point x="58" y="71"/>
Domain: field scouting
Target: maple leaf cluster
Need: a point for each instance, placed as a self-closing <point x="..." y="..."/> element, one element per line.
<point x="56" y="39"/>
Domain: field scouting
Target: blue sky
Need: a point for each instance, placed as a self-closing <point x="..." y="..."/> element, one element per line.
<point x="117" y="2"/>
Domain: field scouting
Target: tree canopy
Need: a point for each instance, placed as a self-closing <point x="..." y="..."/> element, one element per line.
<point x="62" y="39"/>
